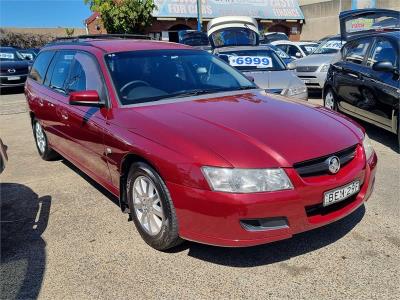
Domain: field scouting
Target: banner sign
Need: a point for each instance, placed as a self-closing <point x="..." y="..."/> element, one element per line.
<point x="259" y="9"/>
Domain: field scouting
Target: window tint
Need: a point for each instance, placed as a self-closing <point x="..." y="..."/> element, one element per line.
<point x="40" y="66"/>
<point x="61" y="67"/>
<point x="85" y="75"/>
<point x="382" y="51"/>
<point x="356" y="51"/>
<point x="283" y="48"/>
<point x="292" y="50"/>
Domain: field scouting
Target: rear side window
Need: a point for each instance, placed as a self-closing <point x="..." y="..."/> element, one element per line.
<point x="39" y="68"/>
<point x="383" y="50"/>
<point x="355" y="52"/>
<point x="60" y="68"/>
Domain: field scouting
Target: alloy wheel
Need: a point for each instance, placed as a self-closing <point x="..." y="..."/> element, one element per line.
<point x="147" y="205"/>
<point x="329" y="100"/>
<point x="40" y="138"/>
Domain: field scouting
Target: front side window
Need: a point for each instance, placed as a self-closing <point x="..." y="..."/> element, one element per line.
<point x="60" y="70"/>
<point x="85" y="76"/>
<point x="261" y="60"/>
<point x="292" y="50"/>
<point x="41" y="65"/>
<point x="383" y="51"/>
<point x="356" y="51"/>
<point x="144" y="76"/>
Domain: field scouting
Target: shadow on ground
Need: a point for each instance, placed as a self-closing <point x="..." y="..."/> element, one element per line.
<point x="278" y="251"/>
<point x="314" y="94"/>
<point x="24" y="218"/>
<point x="381" y="136"/>
<point x="11" y="90"/>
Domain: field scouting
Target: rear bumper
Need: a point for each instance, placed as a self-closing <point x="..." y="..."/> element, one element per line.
<point x="215" y="218"/>
<point x="313" y="80"/>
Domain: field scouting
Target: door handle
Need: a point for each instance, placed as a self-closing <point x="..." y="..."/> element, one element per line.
<point x="64" y="115"/>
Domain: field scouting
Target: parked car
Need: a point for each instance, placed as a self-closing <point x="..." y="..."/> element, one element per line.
<point x="199" y="153"/>
<point x="270" y="37"/>
<point x="13" y="68"/>
<point x="312" y="69"/>
<point x="296" y="49"/>
<point x="283" y="55"/>
<point x="3" y="156"/>
<point x="261" y="63"/>
<point x="364" y="83"/>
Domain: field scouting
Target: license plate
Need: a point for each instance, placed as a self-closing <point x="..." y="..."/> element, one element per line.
<point x="341" y="193"/>
<point x="306" y="81"/>
<point x="13" y="78"/>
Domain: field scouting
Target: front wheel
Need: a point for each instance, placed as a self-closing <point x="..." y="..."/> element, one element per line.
<point x="330" y="99"/>
<point x="151" y="207"/>
<point x="42" y="145"/>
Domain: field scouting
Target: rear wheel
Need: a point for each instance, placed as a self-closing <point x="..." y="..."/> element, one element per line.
<point x="151" y="207"/>
<point x="330" y="99"/>
<point x="42" y="145"/>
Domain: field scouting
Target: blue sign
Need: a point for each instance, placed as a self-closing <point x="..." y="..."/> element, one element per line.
<point x="259" y="9"/>
<point x="361" y="4"/>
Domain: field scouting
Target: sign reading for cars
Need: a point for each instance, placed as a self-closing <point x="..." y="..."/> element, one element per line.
<point x="251" y="61"/>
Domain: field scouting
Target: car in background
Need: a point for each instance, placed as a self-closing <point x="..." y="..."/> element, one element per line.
<point x="236" y="39"/>
<point x="296" y="49"/>
<point x="194" y="38"/>
<point x="283" y="55"/>
<point x="270" y="37"/>
<point x="312" y="69"/>
<point x="365" y="81"/>
<point x="264" y="66"/>
<point x="202" y="154"/>
<point x="14" y="68"/>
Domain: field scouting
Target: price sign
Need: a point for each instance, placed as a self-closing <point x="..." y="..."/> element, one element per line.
<point x="250" y="61"/>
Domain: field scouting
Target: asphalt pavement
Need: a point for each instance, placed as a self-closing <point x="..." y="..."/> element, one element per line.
<point x="64" y="237"/>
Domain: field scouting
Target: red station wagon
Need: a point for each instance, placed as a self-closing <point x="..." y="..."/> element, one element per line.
<point x="191" y="147"/>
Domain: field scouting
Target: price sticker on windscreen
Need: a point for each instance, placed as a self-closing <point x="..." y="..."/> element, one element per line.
<point x="250" y="61"/>
<point x="7" y="55"/>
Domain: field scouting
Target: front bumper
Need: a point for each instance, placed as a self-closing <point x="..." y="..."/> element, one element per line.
<point x="6" y="82"/>
<point x="215" y="218"/>
<point x="313" y="80"/>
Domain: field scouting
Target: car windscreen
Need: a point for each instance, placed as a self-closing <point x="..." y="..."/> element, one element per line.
<point x="329" y="47"/>
<point x="10" y="55"/>
<point x="373" y="21"/>
<point x="152" y="75"/>
<point x="234" y="37"/>
<point x="309" y="48"/>
<point x="280" y="52"/>
<point x="269" y="38"/>
<point x="260" y="59"/>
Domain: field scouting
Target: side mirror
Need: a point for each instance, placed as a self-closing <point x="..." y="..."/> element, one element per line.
<point x="291" y="66"/>
<point x="383" y="66"/>
<point x="298" y="55"/>
<point x="85" y="98"/>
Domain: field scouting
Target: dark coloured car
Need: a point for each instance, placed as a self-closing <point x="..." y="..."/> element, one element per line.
<point x="191" y="147"/>
<point x="14" y="67"/>
<point x="364" y="83"/>
<point x="3" y="156"/>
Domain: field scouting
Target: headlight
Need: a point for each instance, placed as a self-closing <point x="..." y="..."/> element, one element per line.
<point x="369" y="150"/>
<point x="324" y="68"/>
<point x="300" y="89"/>
<point x="246" y="180"/>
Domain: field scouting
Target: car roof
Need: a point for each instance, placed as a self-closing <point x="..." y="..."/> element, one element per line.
<point x="242" y="48"/>
<point x="118" y="45"/>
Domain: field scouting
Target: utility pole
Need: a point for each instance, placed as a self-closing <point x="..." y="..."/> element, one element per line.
<point x="199" y="15"/>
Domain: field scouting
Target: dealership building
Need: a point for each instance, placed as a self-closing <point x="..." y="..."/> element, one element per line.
<point x="174" y="15"/>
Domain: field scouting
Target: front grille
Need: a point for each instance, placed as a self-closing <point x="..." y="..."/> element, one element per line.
<point x="307" y="68"/>
<point x="319" y="166"/>
<point x="320" y="210"/>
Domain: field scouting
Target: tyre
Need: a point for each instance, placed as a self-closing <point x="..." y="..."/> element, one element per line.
<point x="398" y="132"/>
<point x="151" y="207"/>
<point x="330" y="99"/>
<point x="42" y="145"/>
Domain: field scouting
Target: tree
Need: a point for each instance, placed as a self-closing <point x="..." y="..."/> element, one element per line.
<point x="124" y="16"/>
<point x="69" y="31"/>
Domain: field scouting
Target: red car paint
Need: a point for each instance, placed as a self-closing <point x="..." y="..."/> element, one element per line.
<point x="244" y="129"/>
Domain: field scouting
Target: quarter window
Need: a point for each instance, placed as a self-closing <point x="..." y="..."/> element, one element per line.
<point x="383" y="51"/>
<point x="356" y="51"/>
<point x="41" y="65"/>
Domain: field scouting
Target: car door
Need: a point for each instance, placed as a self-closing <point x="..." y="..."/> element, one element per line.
<point x="382" y="96"/>
<point x="349" y="82"/>
<point x="85" y="125"/>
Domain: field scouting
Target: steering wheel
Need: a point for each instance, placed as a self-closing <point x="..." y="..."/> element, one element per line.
<point x="134" y="82"/>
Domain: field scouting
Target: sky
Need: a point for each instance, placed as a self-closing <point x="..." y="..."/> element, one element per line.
<point x="43" y="13"/>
